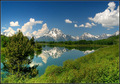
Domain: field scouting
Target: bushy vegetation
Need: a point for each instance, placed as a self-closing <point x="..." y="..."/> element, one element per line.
<point x="102" y="66"/>
<point x="18" y="53"/>
<point x="4" y="41"/>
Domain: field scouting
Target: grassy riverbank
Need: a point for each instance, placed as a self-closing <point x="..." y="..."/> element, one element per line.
<point x="102" y="66"/>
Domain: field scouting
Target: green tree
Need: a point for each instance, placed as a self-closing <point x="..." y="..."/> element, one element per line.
<point x="17" y="54"/>
<point x="4" y="41"/>
<point x="32" y="41"/>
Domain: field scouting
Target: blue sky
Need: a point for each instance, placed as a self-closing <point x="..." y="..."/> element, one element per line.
<point x="54" y="15"/>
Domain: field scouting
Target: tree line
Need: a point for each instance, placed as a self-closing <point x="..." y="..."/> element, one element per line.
<point x="109" y="41"/>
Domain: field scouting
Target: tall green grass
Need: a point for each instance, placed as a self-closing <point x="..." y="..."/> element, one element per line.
<point x="102" y="66"/>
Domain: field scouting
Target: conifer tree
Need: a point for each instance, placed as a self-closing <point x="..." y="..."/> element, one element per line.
<point x="17" y="52"/>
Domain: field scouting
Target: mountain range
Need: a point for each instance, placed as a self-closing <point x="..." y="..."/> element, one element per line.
<point x="57" y="35"/>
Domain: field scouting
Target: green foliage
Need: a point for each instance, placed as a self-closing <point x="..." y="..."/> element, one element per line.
<point x="17" y="53"/>
<point x="38" y="52"/>
<point x="50" y="70"/>
<point x="51" y="42"/>
<point x="102" y="66"/>
<point x="4" y="41"/>
<point x="19" y="46"/>
<point x="38" y="46"/>
<point x="68" y="64"/>
<point x="110" y="41"/>
<point x="2" y="58"/>
<point x="32" y="42"/>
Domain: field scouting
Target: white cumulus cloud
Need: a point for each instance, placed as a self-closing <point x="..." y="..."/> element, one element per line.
<point x="28" y="34"/>
<point x="75" y="25"/>
<point x="82" y="25"/>
<point x="41" y="31"/>
<point x="108" y="18"/>
<point x="68" y="21"/>
<point x="92" y="24"/>
<point x="9" y="32"/>
<point x="88" y="25"/>
<point x="14" y="23"/>
<point x="27" y="27"/>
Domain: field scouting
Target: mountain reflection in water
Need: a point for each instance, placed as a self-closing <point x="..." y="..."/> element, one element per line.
<point x="88" y="51"/>
<point x="56" y="56"/>
<point x="54" y="52"/>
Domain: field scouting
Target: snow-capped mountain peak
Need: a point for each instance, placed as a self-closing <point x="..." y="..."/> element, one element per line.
<point x="88" y="35"/>
<point x="55" y="33"/>
<point x="116" y="33"/>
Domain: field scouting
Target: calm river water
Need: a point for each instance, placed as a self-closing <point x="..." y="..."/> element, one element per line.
<point x="55" y="56"/>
